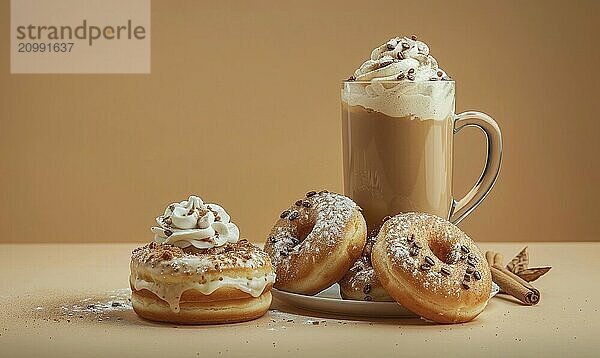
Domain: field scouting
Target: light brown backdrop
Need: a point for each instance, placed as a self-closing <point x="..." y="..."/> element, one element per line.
<point x="242" y="108"/>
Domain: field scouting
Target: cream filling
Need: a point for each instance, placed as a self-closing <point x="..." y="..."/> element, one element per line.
<point x="171" y="293"/>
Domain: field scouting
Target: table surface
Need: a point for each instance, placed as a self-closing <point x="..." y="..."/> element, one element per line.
<point x="57" y="300"/>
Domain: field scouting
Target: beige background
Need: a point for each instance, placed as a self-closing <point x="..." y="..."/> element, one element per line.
<point x="242" y="108"/>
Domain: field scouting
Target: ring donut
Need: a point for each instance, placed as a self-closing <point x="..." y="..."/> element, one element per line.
<point x="315" y="241"/>
<point x="431" y="267"/>
<point x="360" y="282"/>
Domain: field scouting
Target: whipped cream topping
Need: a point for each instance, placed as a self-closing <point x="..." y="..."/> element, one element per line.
<point x="194" y="223"/>
<point x="400" y="59"/>
<point x="401" y="79"/>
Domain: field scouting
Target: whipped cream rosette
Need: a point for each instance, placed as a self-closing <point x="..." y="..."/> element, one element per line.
<point x="193" y="223"/>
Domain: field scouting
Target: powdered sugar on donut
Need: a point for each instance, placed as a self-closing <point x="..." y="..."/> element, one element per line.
<point x="310" y="225"/>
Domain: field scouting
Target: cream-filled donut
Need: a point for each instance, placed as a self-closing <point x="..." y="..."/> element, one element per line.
<point x="229" y="283"/>
<point x="431" y="267"/>
<point x="315" y="241"/>
<point x="197" y="271"/>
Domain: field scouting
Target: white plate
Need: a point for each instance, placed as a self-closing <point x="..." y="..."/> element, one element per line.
<point x="330" y="301"/>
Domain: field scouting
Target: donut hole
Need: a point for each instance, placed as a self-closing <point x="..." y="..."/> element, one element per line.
<point x="441" y="248"/>
<point x="302" y="231"/>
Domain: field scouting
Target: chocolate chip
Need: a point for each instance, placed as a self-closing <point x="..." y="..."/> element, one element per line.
<point x="311" y="193"/>
<point x="440" y="73"/>
<point x="168" y="232"/>
<point x="464" y="249"/>
<point x="425" y="267"/>
<point x="429" y="260"/>
<point x="293" y="215"/>
<point x="385" y="63"/>
<point x="284" y="214"/>
<point x="306" y="204"/>
<point x="477" y="275"/>
<point x="445" y="271"/>
<point x="367" y="289"/>
<point x="298" y="203"/>
<point x="368" y="298"/>
<point x="414" y="37"/>
<point x="470" y="269"/>
<point x="411" y="71"/>
<point x="466" y="285"/>
<point x="411" y="77"/>
<point x="400" y="77"/>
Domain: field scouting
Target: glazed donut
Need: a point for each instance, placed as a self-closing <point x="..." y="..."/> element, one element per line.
<point x="315" y="241"/>
<point x="222" y="284"/>
<point x="360" y="282"/>
<point x="431" y="267"/>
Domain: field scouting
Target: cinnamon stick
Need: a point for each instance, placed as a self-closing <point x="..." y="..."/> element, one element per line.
<point x="511" y="283"/>
<point x="513" y="288"/>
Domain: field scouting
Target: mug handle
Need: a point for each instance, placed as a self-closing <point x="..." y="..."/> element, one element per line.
<point x="461" y="208"/>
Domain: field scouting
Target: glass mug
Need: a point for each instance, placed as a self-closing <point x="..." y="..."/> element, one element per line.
<point x="398" y="149"/>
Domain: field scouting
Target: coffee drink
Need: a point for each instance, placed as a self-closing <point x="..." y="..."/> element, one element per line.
<point x="398" y="130"/>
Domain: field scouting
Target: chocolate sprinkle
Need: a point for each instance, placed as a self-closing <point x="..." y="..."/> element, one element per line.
<point x="466" y="285"/>
<point x="470" y="269"/>
<point x="425" y="267"/>
<point x="477" y="275"/>
<point x="440" y="73"/>
<point x="284" y="214"/>
<point x="411" y="71"/>
<point x="367" y="289"/>
<point x="471" y="263"/>
<point x="418" y="244"/>
<point x="411" y="238"/>
<point x="385" y="63"/>
<point x="351" y="79"/>
<point x="411" y="77"/>
<point x="272" y="239"/>
<point x="400" y="77"/>
<point x="467" y="278"/>
<point x="306" y="204"/>
<point x="293" y="215"/>
<point x="311" y="193"/>
<point x="390" y="46"/>
<point x="464" y="249"/>
<point x="429" y="260"/>
<point x="405" y="46"/>
<point x="445" y="271"/>
<point x="400" y="56"/>
<point x="298" y="203"/>
<point x="368" y="298"/>
<point x="414" y="37"/>
<point x="168" y="232"/>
